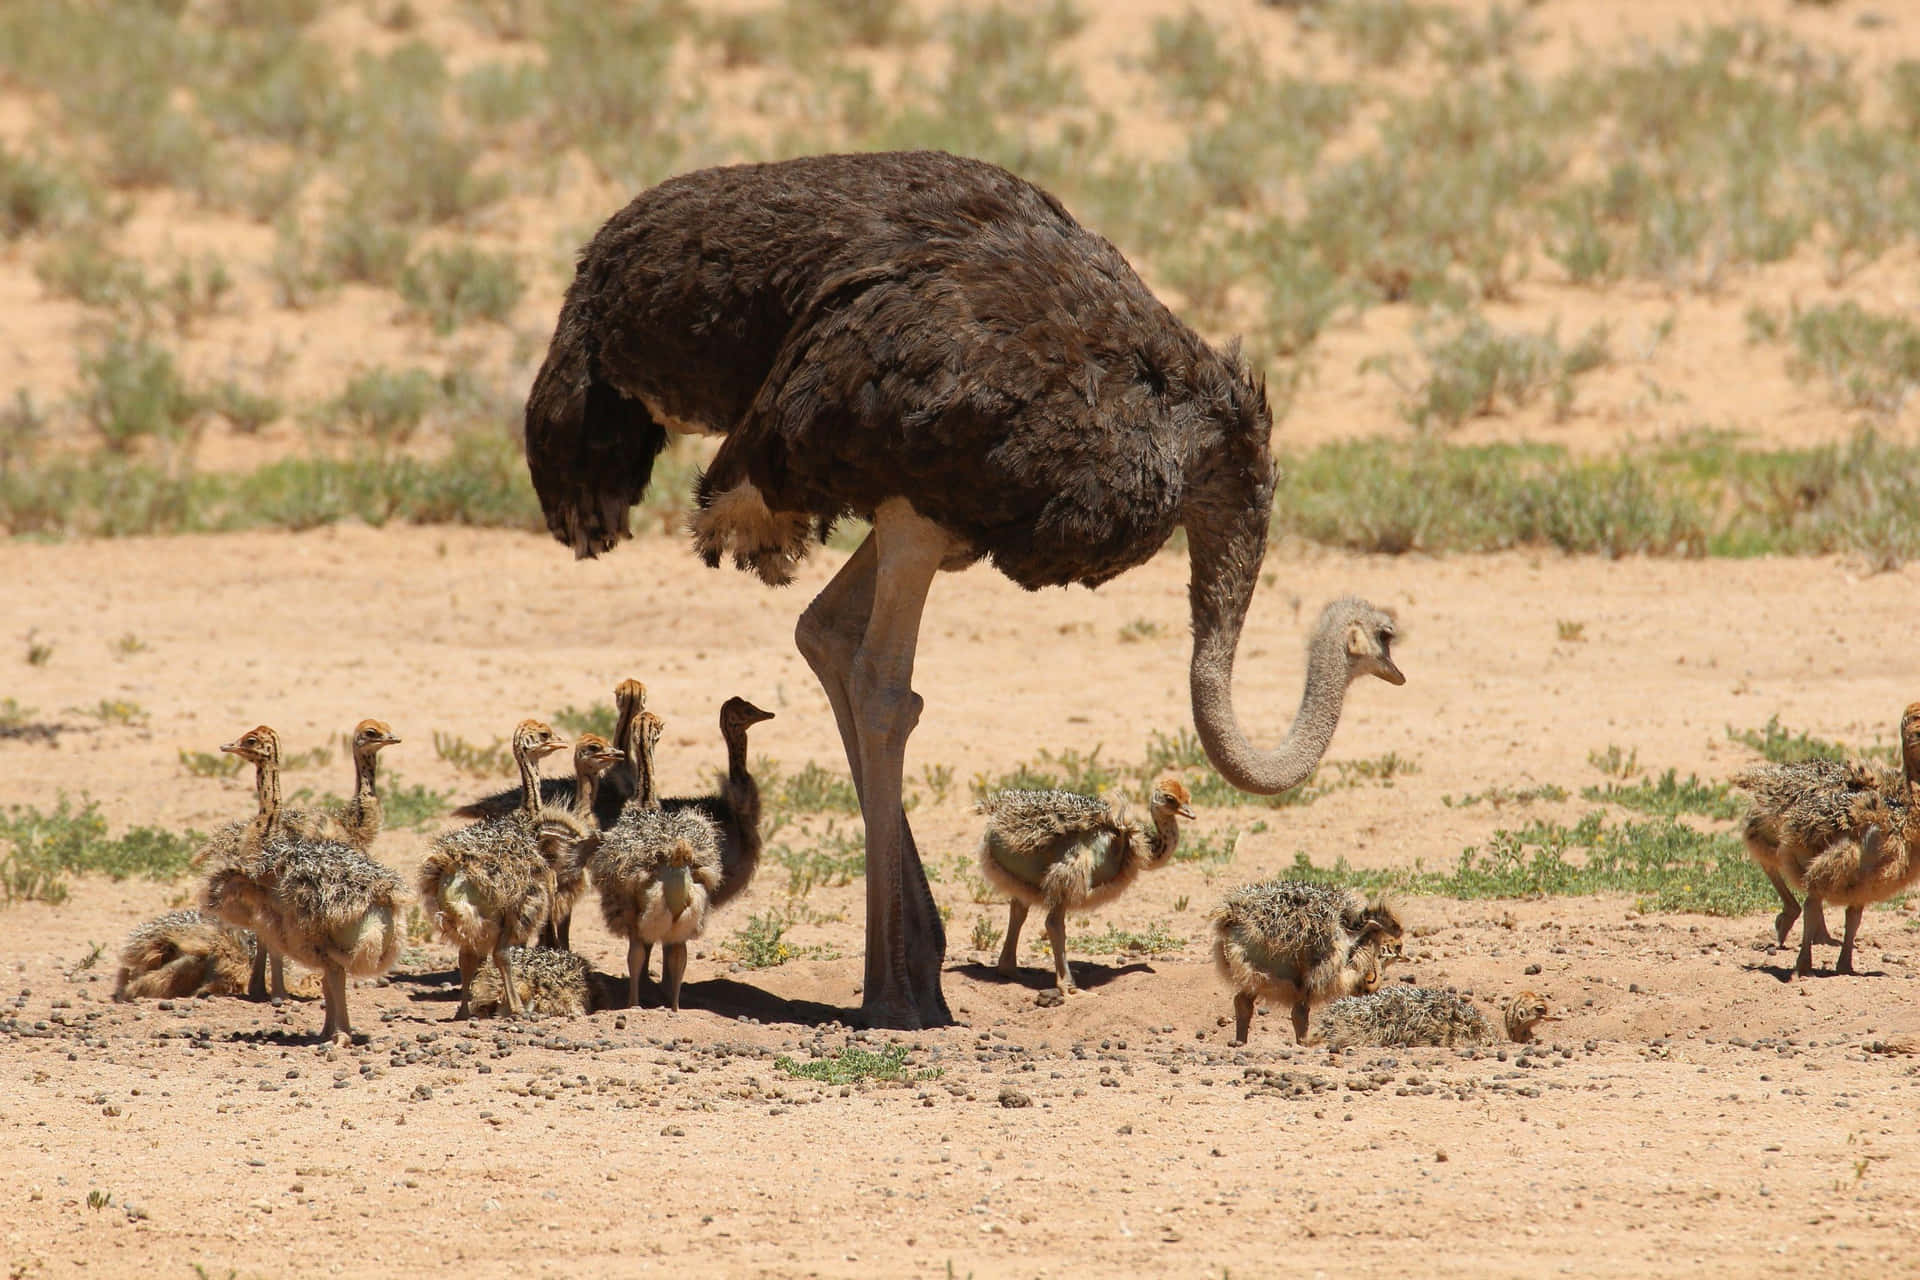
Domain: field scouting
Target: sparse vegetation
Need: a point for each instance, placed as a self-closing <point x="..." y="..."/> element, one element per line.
<point x="762" y="944"/>
<point x="856" y="1065"/>
<point x="482" y="762"/>
<point x="1779" y="745"/>
<point x="39" y="850"/>
<point x="1670" y="796"/>
<point x="1155" y="940"/>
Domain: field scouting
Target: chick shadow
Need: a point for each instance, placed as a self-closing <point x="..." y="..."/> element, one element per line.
<point x="1088" y="975"/>
<point x="442" y="987"/>
<point x="731" y="999"/>
<point x="1783" y="972"/>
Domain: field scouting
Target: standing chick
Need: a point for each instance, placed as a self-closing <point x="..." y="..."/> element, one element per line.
<point x="1402" y="1017"/>
<point x="1069" y="852"/>
<point x="1298" y="944"/>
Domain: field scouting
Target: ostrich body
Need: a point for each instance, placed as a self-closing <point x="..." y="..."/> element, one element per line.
<point x="1880" y="857"/>
<point x="656" y="871"/>
<point x="1298" y="944"/>
<point x="1797" y="811"/>
<point x="933" y="344"/>
<point x="1068" y="852"/>
<point x="1404" y="1017"/>
<point x="613" y="790"/>
<point x="183" y="953"/>
<point x="557" y="984"/>
<point x="490" y="885"/>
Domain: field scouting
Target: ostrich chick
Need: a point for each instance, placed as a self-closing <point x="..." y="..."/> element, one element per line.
<point x="550" y="983"/>
<point x="734" y="809"/>
<point x="1070" y="852"/>
<point x="593" y="758"/>
<point x="656" y="871"/>
<point x="614" y="789"/>
<point x="1796" y="812"/>
<point x="490" y="885"/>
<point x="1298" y="944"/>
<point x="183" y="953"/>
<point x="1402" y="1017"/>
<point x="330" y="907"/>
<point x="1880" y="860"/>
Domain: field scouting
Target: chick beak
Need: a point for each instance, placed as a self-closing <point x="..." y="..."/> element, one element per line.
<point x="231" y="748"/>
<point x="1186" y="812"/>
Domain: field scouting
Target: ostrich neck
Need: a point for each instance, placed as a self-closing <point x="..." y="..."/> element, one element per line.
<point x="742" y="792"/>
<point x="586" y="788"/>
<point x="1166" y="835"/>
<point x="646" y="791"/>
<point x="529" y="784"/>
<point x="266" y="788"/>
<point x="366" y="793"/>
<point x="1225" y="557"/>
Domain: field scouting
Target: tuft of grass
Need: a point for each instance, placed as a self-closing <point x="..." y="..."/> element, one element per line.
<point x="130" y="391"/>
<point x="1156" y="940"/>
<point x="854" y="1065"/>
<point x="762" y="944"/>
<point x="814" y="789"/>
<point x="1870" y="359"/>
<point x="246" y="410"/>
<point x="1085" y="774"/>
<point x="986" y="934"/>
<point x="39" y="850"/>
<point x="114" y="711"/>
<point x="1780" y="746"/>
<point x="1141" y="629"/>
<point x="385" y="405"/>
<point x="1616" y="763"/>
<point x="210" y="764"/>
<point x="1570" y="631"/>
<point x="833" y="860"/>
<point x="82" y="267"/>
<point x="1474" y="370"/>
<point x="598" y="718"/>
<point x="1500" y="797"/>
<point x="39" y="652"/>
<point x="14" y="714"/>
<point x="482" y="762"/>
<point x="451" y="287"/>
<point x="355" y="246"/>
<point x="1669" y="796"/>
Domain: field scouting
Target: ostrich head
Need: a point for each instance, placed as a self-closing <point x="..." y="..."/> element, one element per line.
<point x="1369" y="633"/>
<point x="593" y="755"/>
<point x="369" y="736"/>
<point x="258" y="744"/>
<point x="1170" y="797"/>
<point x="737" y="715"/>
<point x="533" y="740"/>
<point x="1522" y="1012"/>
<point x="1910" y="742"/>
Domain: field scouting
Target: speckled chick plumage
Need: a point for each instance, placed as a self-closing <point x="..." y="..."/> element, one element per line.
<point x="183" y="953"/>
<point x="324" y="902"/>
<point x="1404" y="1016"/>
<point x="1797" y="811"/>
<point x="551" y="983"/>
<point x="633" y="861"/>
<point x="488" y="881"/>
<point x="1058" y="849"/>
<point x="1290" y="940"/>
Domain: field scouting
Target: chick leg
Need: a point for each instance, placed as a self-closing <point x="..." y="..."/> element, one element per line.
<point x="673" y="967"/>
<point x="1300" y="1010"/>
<point x="1815" y="923"/>
<point x="1789" y="908"/>
<point x="646" y="962"/>
<point x="1057" y="939"/>
<point x="1845" y="963"/>
<point x="636" y="968"/>
<point x="469" y="965"/>
<point x="1803" y="964"/>
<point x="333" y="990"/>
<point x="1009" y="952"/>
<point x="1242" y="1017"/>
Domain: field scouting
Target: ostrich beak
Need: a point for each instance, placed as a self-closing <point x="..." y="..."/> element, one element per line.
<point x="231" y="748"/>
<point x="1392" y="674"/>
<point x="1186" y="811"/>
<point x="389" y="741"/>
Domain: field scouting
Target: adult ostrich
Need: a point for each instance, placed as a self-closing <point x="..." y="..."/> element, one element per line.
<point x="935" y="345"/>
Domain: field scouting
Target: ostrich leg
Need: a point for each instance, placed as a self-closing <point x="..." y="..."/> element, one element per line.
<point x="879" y="597"/>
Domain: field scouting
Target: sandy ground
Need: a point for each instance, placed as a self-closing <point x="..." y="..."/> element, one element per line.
<point x="1693" y="1113"/>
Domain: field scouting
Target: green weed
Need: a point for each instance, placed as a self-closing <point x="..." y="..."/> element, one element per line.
<point x="209" y="764"/>
<point x="598" y="718"/>
<point x="814" y="789"/>
<point x="762" y="944"/>
<point x="1780" y="746"/>
<point x="1115" y="941"/>
<point x="986" y="934"/>
<point x="1669" y="796"/>
<point x="482" y="762"/>
<point x="833" y="860"/>
<point x="451" y="287"/>
<point x="1500" y="797"/>
<point x="854" y="1065"/>
<point x="385" y="405"/>
<point x="38" y="850"/>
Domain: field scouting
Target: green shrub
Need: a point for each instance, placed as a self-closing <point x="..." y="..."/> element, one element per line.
<point x="452" y="286"/>
<point x="130" y="391"/>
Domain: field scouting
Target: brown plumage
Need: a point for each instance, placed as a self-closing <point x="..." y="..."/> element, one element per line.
<point x="550" y="983"/>
<point x="936" y="345"/>
<point x="1851" y="821"/>
<point x="1879" y="859"/>
<point x="656" y="871"/>
<point x="1403" y="1016"/>
<point x="1298" y="944"/>
<point x="1066" y="852"/>
<point x="183" y="953"/>
<point x="362" y="816"/>
<point x="612" y="791"/>
<point x="734" y="809"/>
<point x="490" y="885"/>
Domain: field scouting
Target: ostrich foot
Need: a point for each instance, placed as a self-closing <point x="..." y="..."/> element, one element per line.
<point x="1783" y="924"/>
<point x="1242" y="1018"/>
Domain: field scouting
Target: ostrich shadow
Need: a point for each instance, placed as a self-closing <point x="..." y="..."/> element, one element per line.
<point x="1783" y="972"/>
<point x="731" y="999"/>
<point x="1088" y="975"/>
